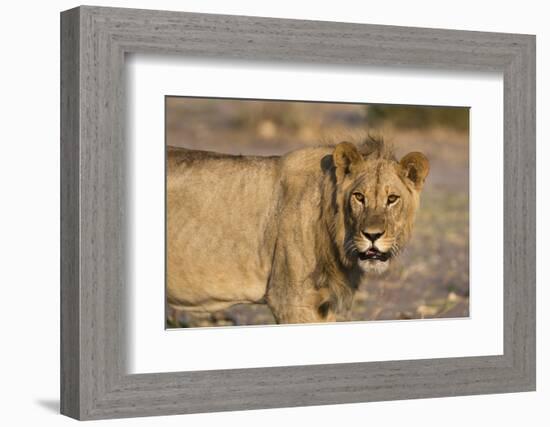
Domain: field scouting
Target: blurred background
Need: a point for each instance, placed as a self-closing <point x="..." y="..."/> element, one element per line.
<point x="431" y="277"/>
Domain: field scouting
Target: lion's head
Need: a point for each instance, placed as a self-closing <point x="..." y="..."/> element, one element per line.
<point x="374" y="202"/>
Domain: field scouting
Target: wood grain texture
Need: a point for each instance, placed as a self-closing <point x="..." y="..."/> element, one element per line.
<point x="70" y="221"/>
<point x="95" y="240"/>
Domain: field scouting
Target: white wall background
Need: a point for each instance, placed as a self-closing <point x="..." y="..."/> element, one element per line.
<point x="29" y="212"/>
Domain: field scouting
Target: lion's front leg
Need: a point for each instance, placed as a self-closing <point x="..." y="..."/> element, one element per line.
<point x="297" y="291"/>
<point x="307" y="306"/>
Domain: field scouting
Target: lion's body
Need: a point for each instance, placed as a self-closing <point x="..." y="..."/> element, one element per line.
<point x="258" y="229"/>
<point x="219" y="246"/>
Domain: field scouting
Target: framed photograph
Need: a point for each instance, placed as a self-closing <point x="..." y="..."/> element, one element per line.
<point x="261" y="213"/>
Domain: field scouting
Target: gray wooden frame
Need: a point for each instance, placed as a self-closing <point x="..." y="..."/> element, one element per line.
<point x="94" y="41"/>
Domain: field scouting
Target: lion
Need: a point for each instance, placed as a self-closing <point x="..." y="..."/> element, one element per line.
<point x="297" y="232"/>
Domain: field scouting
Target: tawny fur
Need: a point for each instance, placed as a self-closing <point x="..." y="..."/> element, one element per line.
<point x="286" y="230"/>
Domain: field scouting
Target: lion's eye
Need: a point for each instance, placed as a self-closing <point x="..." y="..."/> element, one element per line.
<point x="359" y="197"/>
<point x="392" y="198"/>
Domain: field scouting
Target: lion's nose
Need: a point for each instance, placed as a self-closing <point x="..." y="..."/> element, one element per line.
<point x="373" y="237"/>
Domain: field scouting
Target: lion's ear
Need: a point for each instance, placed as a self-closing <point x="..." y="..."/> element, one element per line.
<point x="345" y="156"/>
<point x="416" y="167"/>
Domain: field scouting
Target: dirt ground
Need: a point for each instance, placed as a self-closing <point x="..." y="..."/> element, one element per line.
<point x="431" y="278"/>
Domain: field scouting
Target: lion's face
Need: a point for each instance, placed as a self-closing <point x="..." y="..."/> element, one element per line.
<point x="379" y="198"/>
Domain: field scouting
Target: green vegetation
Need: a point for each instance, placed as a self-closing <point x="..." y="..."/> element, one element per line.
<point x="407" y="117"/>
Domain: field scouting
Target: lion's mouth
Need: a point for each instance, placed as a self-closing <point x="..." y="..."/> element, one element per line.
<point x="373" y="254"/>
